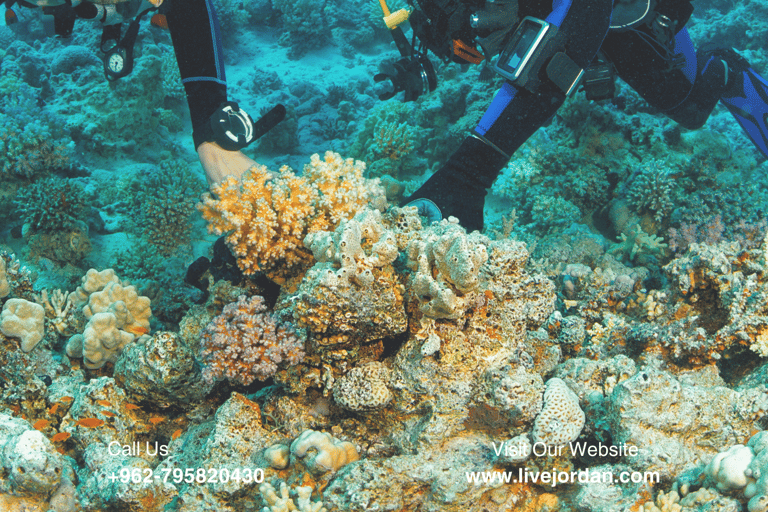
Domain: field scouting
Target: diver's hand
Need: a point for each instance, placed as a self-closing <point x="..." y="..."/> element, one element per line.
<point x="428" y="209"/>
<point x="219" y="163"/>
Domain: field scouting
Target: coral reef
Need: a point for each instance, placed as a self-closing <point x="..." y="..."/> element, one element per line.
<point x="352" y="293"/>
<point x="610" y="322"/>
<point x="306" y="23"/>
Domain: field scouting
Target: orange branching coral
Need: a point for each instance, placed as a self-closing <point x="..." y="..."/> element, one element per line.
<point x="267" y="219"/>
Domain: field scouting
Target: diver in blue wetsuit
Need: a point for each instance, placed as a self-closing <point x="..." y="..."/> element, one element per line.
<point x="220" y="128"/>
<point x="547" y="49"/>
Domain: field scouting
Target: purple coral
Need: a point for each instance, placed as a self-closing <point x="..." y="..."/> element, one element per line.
<point x="246" y="343"/>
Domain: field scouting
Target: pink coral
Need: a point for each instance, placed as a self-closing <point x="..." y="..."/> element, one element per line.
<point x="246" y="343"/>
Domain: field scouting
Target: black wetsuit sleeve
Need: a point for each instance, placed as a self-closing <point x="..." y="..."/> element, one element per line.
<point x="196" y="38"/>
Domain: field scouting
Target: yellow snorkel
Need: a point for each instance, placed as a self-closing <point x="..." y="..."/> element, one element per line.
<point x="393" y="20"/>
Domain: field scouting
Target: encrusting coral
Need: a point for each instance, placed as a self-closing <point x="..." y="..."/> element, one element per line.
<point x="268" y="217"/>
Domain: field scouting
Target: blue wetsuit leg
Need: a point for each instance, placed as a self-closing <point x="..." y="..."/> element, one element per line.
<point x="688" y="94"/>
<point x="746" y="97"/>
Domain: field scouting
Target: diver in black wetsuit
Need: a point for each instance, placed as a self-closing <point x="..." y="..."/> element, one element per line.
<point x="196" y="39"/>
<point x="220" y="128"/>
<point x="544" y="57"/>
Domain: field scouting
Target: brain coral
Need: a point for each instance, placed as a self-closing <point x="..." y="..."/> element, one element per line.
<point x="268" y="217"/>
<point x="363" y="388"/>
<point x="246" y="343"/>
<point x="561" y="419"/>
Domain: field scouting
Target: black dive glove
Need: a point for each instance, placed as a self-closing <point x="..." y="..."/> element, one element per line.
<point x="458" y="189"/>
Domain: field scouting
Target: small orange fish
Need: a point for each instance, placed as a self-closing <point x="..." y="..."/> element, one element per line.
<point x="156" y="419"/>
<point x="103" y="403"/>
<point x="137" y="330"/>
<point x="159" y="20"/>
<point x="66" y="399"/>
<point x="53" y="409"/>
<point x="131" y="407"/>
<point x="176" y="435"/>
<point x="89" y="422"/>
<point x="11" y="18"/>
<point x="61" y="436"/>
<point x="108" y="414"/>
<point x="41" y="424"/>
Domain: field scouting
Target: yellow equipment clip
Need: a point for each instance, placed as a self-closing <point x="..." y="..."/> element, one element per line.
<point x="393" y="20"/>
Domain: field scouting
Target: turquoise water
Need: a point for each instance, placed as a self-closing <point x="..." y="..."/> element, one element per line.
<point x="619" y="207"/>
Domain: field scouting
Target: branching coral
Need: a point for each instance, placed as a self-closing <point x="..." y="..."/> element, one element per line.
<point x="652" y="189"/>
<point x="268" y="217"/>
<point x="29" y="150"/>
<point x="283" y="501"/>
<point x="51" y="205"/>
<point x="388" y="139"/>
<point x="392" y="140"/>
<point x="246" y="343"/>
<point x="166" y="208"/>
<point x="307" y="24"/>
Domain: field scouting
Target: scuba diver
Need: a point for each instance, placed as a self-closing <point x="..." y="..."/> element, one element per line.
<point x="545" y="51"/>
<point x="220" y="129"/>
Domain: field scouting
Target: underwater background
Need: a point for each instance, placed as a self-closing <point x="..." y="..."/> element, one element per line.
<point x="350" y="357"/>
